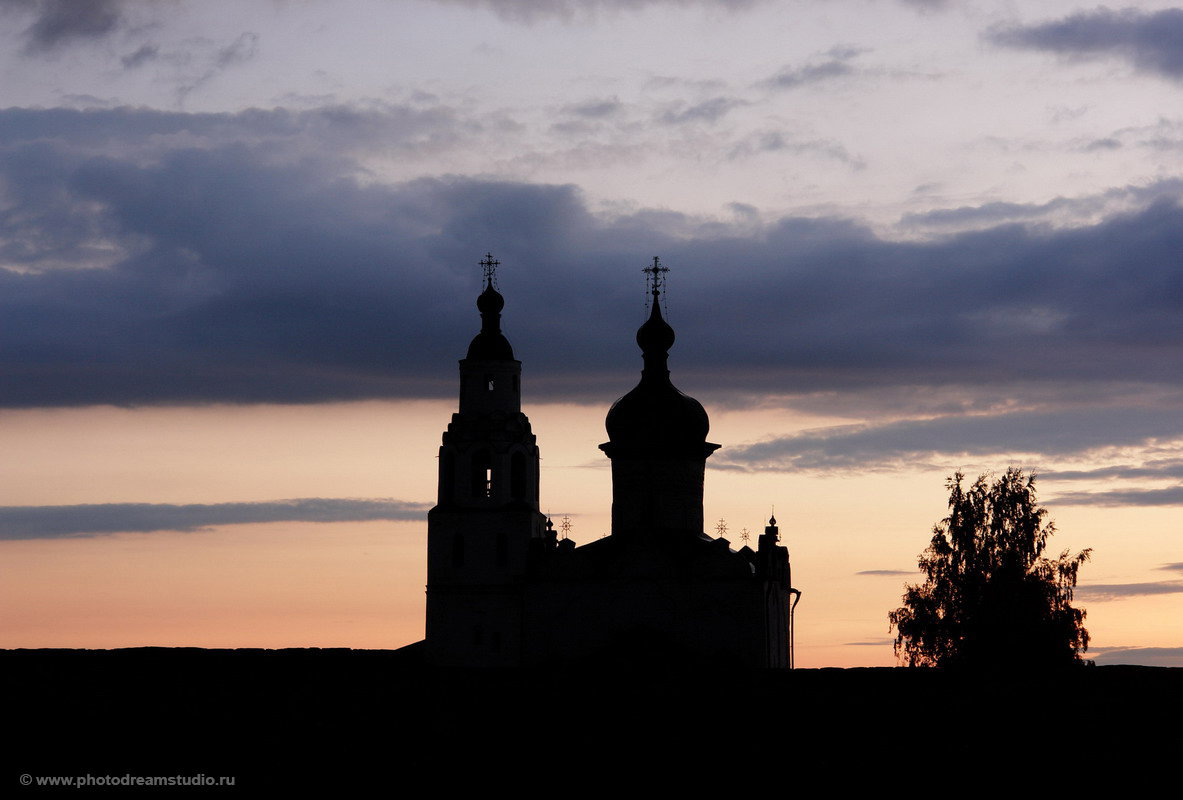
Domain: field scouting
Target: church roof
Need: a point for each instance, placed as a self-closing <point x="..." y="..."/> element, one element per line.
<point x="490" y="344"/>
<point x="655" y="415"/>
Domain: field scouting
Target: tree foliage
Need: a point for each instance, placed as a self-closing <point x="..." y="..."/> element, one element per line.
<point x="991" y="597"/>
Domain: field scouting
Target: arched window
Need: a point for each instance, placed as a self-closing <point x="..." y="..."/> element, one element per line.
<point x="482" y="474"/>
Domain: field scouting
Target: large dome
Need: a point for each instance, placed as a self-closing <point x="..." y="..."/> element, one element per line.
<point x="656" y="415"/>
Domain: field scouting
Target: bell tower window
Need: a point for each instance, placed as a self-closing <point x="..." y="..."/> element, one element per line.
<point x="482" y="474"/>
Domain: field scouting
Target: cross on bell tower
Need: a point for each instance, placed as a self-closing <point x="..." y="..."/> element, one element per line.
<point x="490" y="265"/>
<point x="654" y="280"/>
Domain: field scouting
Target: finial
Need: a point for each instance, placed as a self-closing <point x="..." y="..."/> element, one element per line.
<point x="653" y="279"/>
<point x="565" y="526"/>
<point x="490" y="265"/>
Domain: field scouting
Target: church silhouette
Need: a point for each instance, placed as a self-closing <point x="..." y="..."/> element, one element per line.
<point x="503" y="590"/>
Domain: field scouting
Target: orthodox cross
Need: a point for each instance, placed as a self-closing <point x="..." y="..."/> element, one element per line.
<point x="565" y="526"/>
<point x="654" y="280"/>
<point x="721" y="528"/>
<point x="490" y="264"/>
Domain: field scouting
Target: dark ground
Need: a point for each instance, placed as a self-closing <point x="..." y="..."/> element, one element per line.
<point x="380" y="719"/>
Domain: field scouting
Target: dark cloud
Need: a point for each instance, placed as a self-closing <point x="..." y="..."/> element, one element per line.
<point x="1161" y="468"/>
<point x="54" y="522"/>
<point x="886" y="572"/>
<point x="1102" y="592"/>
<point x="60" y="22"/>
<point x="1144" y="656"/>
<point x="1175" y="567"/>
<point x="997" y="212"/>
<point x="947" y="441"/>
<point x="1169" y="496"/>
<point x="1151" y="41"/>
<point x="152" y="257"/>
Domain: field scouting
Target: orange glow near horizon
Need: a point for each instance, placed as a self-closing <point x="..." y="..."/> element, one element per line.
<point x="361" y="584"/>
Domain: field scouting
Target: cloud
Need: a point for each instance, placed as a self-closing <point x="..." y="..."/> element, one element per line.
<point x="711" y="110"/>
<point x="887" y="572"/>
<point x="1064" y="209"/>
<point x="944" y="442"/>
<point x="61" y="22"/>
<point x="146" y="53"/>
<point x="241" y="50"/>
<point x="1155" y="468"/>
<point x="775" y="141"/>
<point x="53" y="522"/>
<point x="1142" y="656"/>
<point x="596" y="108"/>
<point x="835" y="65"/>
<point x="1102" y="592"/>
<point x="1176" y="567"/>
<point x="534" y="10"/>
<point x="1169" y="496"/>
<point x="1151" y="41"/>
<point x="927" y="5"/>
<point x="157" y="257"/>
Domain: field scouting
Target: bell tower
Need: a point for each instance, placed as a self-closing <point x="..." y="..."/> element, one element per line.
<point x="486" y="519"/>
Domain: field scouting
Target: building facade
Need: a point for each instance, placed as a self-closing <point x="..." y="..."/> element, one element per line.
<point x="503" y="590"/>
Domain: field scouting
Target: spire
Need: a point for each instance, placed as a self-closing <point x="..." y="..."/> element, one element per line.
<point x="655" y="415"/>
<point x="655" y="337"/>
<point x="490" y="265"/>
<point x="653" y="276"/>
<point x="490" y="344"/>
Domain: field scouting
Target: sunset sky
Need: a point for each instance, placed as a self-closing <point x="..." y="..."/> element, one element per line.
<point x="238" y="264"/>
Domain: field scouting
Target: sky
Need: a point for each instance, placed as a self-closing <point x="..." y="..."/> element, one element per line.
<point x="239" y="248"/>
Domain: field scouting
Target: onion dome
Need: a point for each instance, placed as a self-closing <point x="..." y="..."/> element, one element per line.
<point x="655" y="416"/>
<point x="490" y="344"/>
